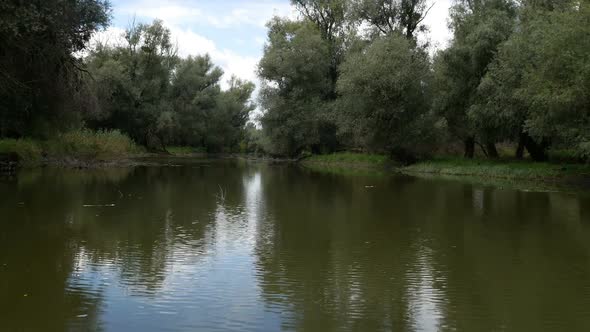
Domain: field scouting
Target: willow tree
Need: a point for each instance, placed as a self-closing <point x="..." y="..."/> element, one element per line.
<point x="479" y="27"/>
<point x="386" y="97"/>
<point x="387" y="16"/>
<point x="535" y="91"/>
<point x="296" y="70"/>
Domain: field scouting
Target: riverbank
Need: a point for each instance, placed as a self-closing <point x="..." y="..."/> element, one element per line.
<point x="504" y="169"/>
<point x="456" y="167"/>
<point x="348" y="160"/>
<point x="79" y="148"/>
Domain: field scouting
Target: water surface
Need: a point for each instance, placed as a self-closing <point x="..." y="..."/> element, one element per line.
<point x="229" y="246"/>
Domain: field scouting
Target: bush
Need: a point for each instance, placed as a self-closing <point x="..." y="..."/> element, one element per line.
<point x="28" y="151"/>
<point x="88" y="144"/>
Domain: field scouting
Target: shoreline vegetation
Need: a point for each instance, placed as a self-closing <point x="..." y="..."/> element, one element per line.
<point x="455" y="167"/>
<point x="86" y="149"/>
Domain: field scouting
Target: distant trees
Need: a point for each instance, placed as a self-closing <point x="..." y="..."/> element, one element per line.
<point x="346" y="74"/>
<point x="514" y="72"/>
<point x="157" y="98"/>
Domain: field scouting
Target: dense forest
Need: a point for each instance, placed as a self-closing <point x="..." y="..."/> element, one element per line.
<point x="345" y="75"/>
<point x="357" y="75"/>
<point x="53" y="80"/>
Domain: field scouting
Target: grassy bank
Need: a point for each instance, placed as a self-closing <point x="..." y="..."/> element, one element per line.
<point x="347" y="160"/>
<point x="185" y="151"/>
<point x="482" y="169"/>
<point x="74" y="147"/>
<point x="505" y="169"/>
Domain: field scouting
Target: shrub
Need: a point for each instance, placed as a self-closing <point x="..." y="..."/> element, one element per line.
<point x="88" y="144"/>
<point x="28" y="151"/>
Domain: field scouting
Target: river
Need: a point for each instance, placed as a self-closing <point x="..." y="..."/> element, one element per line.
<point x="208" y="245"/>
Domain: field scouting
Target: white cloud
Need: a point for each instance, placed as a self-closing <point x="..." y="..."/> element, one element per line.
<point x="218" y="14"/>
<point x="182" y="17"/>
<point x="170" y="13"/>
<point x="256" y="14"/>
<point x="191" y="43"/>
<point x="232" y="63"/>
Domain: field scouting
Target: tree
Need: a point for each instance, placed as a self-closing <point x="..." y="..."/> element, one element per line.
<point x="226" y="123"/>
<point x="41" y="80"/>
<point x="388" y="16"/>
<point x="194" y="92"/>
<point x="534" y="90"/>
<point x="557" y="80"/>
<point x="385" y="92"/>
<point x="479" y="27"/>
<point x="133" y="79"/>
<point x="157" y="98"/>
<point x="295" y="66"/>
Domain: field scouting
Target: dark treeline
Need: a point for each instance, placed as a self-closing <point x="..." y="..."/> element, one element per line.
<point x="52" y="81"/>
<point x="355" y="74"/>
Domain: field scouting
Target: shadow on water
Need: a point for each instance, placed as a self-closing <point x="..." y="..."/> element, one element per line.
<point x="226" y="245"/>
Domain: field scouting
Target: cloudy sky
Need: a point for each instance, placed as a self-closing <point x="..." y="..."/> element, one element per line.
<point x="233" y="32"/>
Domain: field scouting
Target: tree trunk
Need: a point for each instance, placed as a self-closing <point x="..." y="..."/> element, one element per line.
<point x="538" y="151"/>
<point x="520" y="148"/>
<point x="492" y="151"/>
<point x="469" y="147"/>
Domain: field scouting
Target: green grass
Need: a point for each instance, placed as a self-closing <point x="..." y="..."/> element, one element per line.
<point x="82" y="144"/>
<point x="184" y="150"/>
<point x="498" y="169"/>
<point x="86" y="144"/>
<point x="28" y="151"/>
<point x="347" y="163"/>
<point x="349" y="157"/>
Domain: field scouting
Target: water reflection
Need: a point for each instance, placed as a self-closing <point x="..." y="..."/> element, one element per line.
<point x="220" y="246"/>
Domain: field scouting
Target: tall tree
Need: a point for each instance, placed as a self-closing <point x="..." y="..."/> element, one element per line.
<point x="386" y="97"/>
<point x="194" y="92"/>
<point x="41" y="83"/>
<point x="137" y="76"/>
<point x="479" y="27"/>
<point x="388" y="16"/>
<point x="295" y="66"/>
<point x="533" y="92"/>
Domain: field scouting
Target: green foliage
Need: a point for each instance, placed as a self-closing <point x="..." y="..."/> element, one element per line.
<point x="478" y="27"/>
<point x="349" y="157"/>
<point x="184" y="150"/>
<point x="497" y="169"/>
<point x="537" y="87"/>
<point x="28" y="151"/>
<point x="91" y="145"/>
<point x="391" y="16"/>
<point x="148" y="92"/>
<point x="556" y="82"/>
<point x="296" y="66"/>
<point x="385" y="96"/>
<point x="42" y="89"/>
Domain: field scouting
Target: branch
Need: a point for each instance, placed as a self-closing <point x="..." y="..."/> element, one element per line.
<point x="425" y="14"/>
